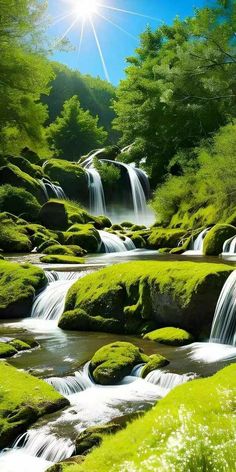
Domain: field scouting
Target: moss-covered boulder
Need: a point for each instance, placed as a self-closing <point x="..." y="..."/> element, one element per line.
<point x="79" y="320"/>
<point x="18" y="285"/>
<point x="18" y="201"/>
<point x="156" y="361"/>
<point x="138" y="241"/>
<point x="165" y="237"/>
<point x="184" y="431"/>
<point x="181" y="294"/>
<point x="59" y="249"/>
<point x="60" y="214"/>
<point x="58" y="259"/>
<point x="13" y="238"/>
<point x="113" y="362"/>
<point x="215" y="238"/>
<point x="72" y="178"/>
<point x="14" y="176"/>
<point x="85" y="236"/>
<point x="6" y="350"/>
<point x="20" y="345"/>
<point x="23" y="400"/>
<point x="170" y="336"/>
<point x="92" y="437"/>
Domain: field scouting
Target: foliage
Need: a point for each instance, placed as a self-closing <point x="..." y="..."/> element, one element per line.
<point x="23" y="399"/>
<point x="179" y="87"/>
<point x="170" y="336"/>
<point x="109" y="173"/>
<point x="205" y="195"/>
<point x="18" y="201"/>
<point x="192" y="429"/>
<point x="24" y="74"/>
<point x="75" y="131"/>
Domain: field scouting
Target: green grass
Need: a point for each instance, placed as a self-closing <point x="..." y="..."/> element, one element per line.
<point x="23" y="399"/>
<point x="18" y="283"/>
<point x="58" y="259"/>
<point x="170" y="336"/>
<point x="181" y="294"/>
<point x="193" y="429"/>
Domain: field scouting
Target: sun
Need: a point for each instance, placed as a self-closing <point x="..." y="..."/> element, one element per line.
<point x="85" y="8"/>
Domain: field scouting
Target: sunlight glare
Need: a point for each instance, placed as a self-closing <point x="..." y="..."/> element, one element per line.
<point x="85" y="8"/>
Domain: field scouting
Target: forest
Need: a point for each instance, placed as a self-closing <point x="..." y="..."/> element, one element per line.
<point x="118" y="247"/>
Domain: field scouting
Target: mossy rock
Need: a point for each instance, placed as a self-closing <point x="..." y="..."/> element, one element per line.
<point x="85" y="236"/>
<point x="175" y="293"/>
<point x="19" y="345"/>
<point x="156" y="361"/>
<point x="137" y="227"/>
<point x="65" y="250"/>
<point x="126" y="224"/>
<point x="162" y="237"/>
<point x="93" y="436"/>
<point x="18" y="286"/>
<point x="164" y="250"/>
<point x="13" y="238"/>
<point x="205" y="407"/>
<point x="15" y="177"/>
<point x="26" y="166"/>
<point x="59" y="259"/>
<point x="23" y="400"/>
<point x="138" y="241"/>
<point x="46" y="244"/>
<point x="19" y="201"/>
<point x="116" y="227"/>
<point x="79" y="320"/>
<point x="170" y="336"/>
<point x="72" y="178"/>
<point x="113" y="362"/>
<point x="60" y="214"/>
<point x="6" y="350"/>
<point x="215" y="238"/>
<point x="102" y="222"/>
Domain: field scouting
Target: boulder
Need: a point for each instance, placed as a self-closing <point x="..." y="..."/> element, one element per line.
<point x="170" y="336"/>
<point x="215" y="238"/>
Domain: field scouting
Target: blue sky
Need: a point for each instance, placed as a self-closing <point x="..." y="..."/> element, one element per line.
<point x="115" y="44"/>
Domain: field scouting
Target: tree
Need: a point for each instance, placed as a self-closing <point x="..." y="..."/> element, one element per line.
<point x="75" y="131"/>
<point x="24" y="74"/>
<point x="180" y="87"/>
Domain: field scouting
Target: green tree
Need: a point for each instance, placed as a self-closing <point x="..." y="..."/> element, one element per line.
<point x="24" y="74"/>
<point x="75" y="131"/>
<point x="180" y="87"/>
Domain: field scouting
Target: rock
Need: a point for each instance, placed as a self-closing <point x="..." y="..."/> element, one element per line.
<point x="60" y="214"/>
<point x="156" y="361"/>
<point x="72" y="178"/>
<point x="165" y="237"/>
<point x="19" y="345"/>
<point x="59" y="249"/>
<point x="13" y="238"/>
<point x="19" y="201"/>
<point x="215" y="238"/>
<point x="93" y="437"/>
<point x="6" y="350"/>
<point x="113" y="362"/>
<point x="83" y="235"/>
<point x="170" y="336"/>
<point x="57" y="259"/>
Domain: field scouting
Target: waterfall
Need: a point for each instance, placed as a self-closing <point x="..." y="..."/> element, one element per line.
<point x="55" y="190"/>
<point x="224" y="323"/>
<point x="96" y="193"/>
<point x="79" y="382"/>
<point x="49" y="304"/>
<point x="113" y="243"/>
<point x="230" y="246"/>
<point x="168" y="380"/>
<point x="197" y="246"/>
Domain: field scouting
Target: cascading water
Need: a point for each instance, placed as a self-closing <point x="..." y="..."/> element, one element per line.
<point x="112" y="243"/>
<point x="50" y="188"/>
<point x="224" y="323"/>
<point x="97" y="203"/>
<point x="165" y="380"/>
<point x="230" y="246"/>
<point x="197" y="246"/>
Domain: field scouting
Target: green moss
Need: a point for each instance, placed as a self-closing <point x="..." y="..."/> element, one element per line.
<point x="93" y="436"/>
<point x="137" y="227"/>
<point x="126" y="224"/>
<point x="170" y="336"/>
<point x="113" y="362"/>
<point x="46" y="244"/>
<point x="26" y="166"/>
<point x="156" y="361"/>
<point x="23" y="399"/>
<point x="71" y="176"/>
<point x="215" y="238"/>
<point x="162" y="237"/>
<point x="183" y="294"/>
<point x="65" y="250"/>
<point x="60" y="214"/>
<point x="138" y="241"/>
<point x="85" y="236"/>
<point x="13" y="238"/>
<point x="18" y="201"/>
<point x="6" y="350"/>
<point x="191" y="429"/>
<point x="116" y="227"/>
<point x="19" y="345"/>
<point x="57" y="259"/>
<point x="14" y="176"/>
<point x="79" y="320"/>
<point x="18" y="285"/>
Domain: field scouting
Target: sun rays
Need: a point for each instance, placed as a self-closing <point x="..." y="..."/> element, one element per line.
<point x="84" y="12"/>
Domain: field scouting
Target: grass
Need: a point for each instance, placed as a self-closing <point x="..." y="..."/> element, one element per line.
<point x="24" y="398"/>
<point x="193" y="429"/>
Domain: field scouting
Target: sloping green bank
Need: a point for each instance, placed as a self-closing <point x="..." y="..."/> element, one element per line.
<point x="127" y="297"/>
<point x="18" y="284"/>
<point x="191" y="430"/>
<point x="23" y="399"/>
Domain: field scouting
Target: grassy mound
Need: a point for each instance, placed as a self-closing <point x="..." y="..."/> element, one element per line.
<point x="57" y="259"/>
<point x="23" y="399"/>
<point x="18" y="284"/>
<point x="170" y="336"/>
<point x="215" y="238"/>
<point x="192" y="429"/>
<point x="113" y="362"/>
<point x="181" y="294"/>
